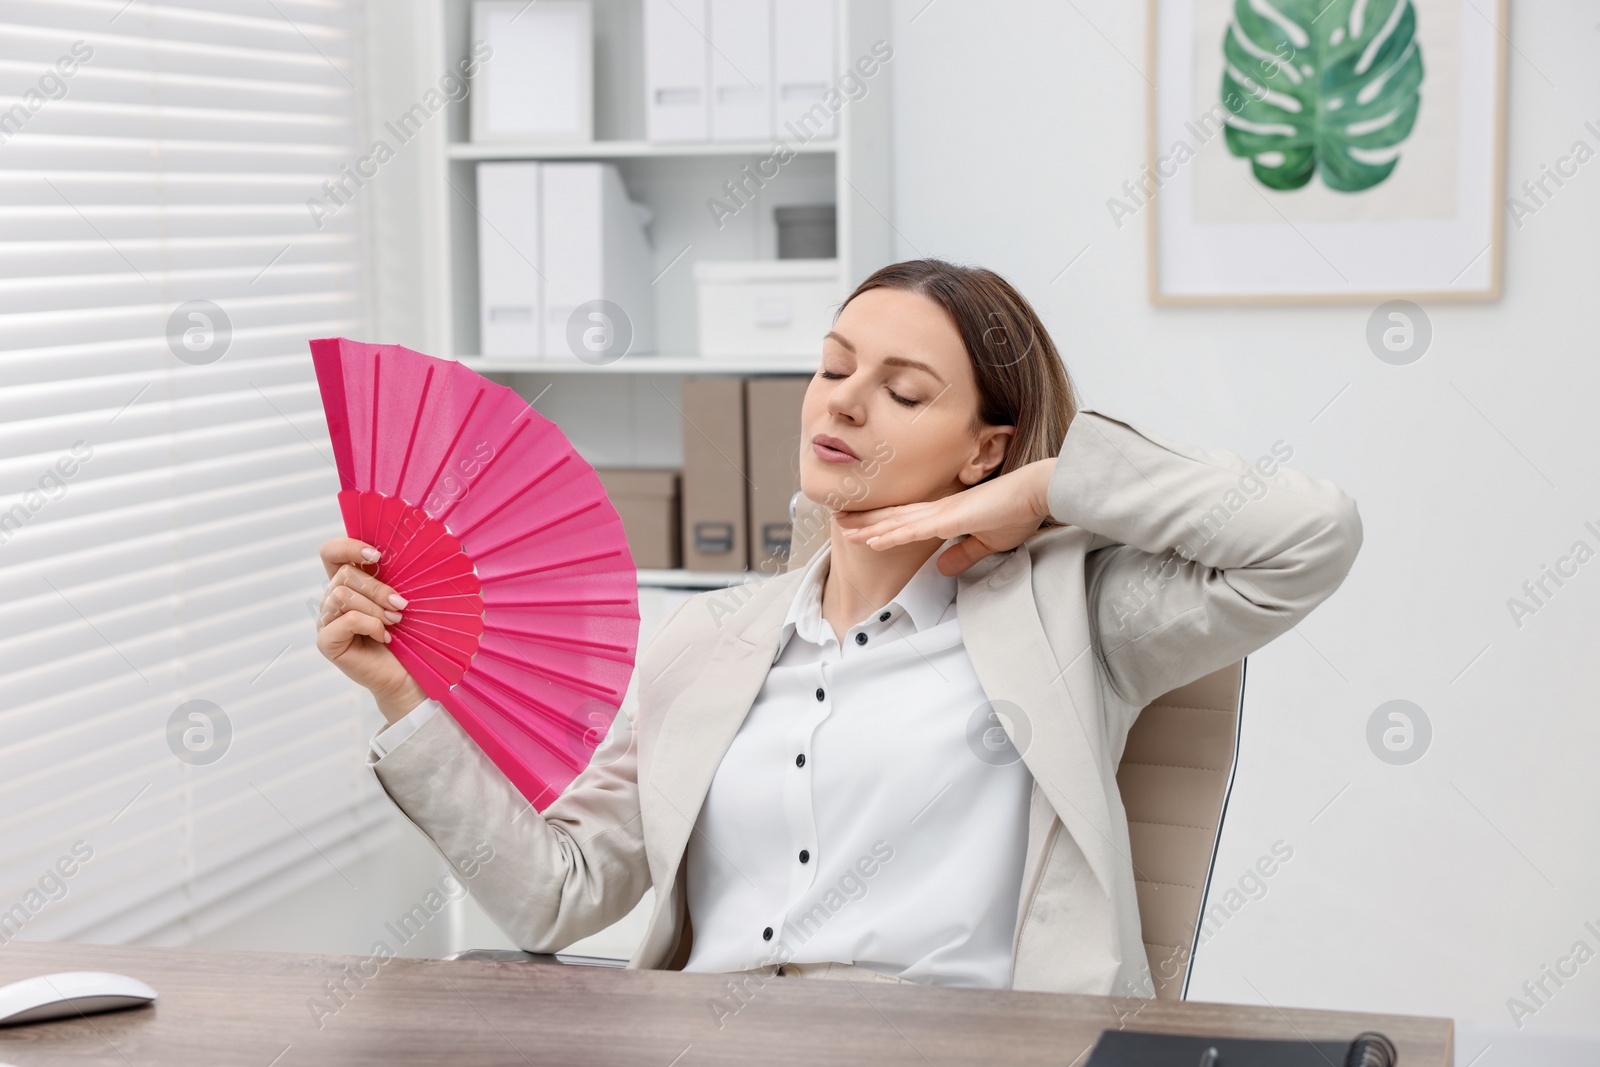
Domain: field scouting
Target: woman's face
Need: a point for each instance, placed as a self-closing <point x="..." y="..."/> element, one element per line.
<point x="889" y="417"/>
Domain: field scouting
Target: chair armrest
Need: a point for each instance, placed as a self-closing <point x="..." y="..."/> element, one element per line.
<point x="515" y="955"/>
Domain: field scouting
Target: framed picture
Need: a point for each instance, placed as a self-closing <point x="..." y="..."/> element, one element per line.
<point x="1305" y="151"/>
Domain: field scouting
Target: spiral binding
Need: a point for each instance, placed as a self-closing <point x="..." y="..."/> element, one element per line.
<point x="1371" y="1049"/>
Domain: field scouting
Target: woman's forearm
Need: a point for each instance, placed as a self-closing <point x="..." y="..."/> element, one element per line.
<point x="1297" y="534"/>
<point x="550" y="878"/>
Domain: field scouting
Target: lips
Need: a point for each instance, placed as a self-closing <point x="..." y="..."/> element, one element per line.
<point x="826" y="443"/>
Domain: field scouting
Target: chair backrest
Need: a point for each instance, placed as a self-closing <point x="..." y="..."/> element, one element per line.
<point x="1175" y="776"/>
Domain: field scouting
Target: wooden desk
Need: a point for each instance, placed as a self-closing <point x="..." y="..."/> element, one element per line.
<point x="253" y="1008"/>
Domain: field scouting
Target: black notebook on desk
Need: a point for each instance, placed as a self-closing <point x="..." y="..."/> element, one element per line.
<point x="1129" y="1048"/>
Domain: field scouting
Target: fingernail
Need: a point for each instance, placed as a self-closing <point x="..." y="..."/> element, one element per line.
<point x="370" y="553"/>
<point x="392" y="616"/>
<point x="386" y="637"/>
<point x="872" y="539"/>
<point x="397" y="600"/>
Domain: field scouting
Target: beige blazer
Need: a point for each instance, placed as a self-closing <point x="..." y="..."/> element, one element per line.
<point x="1175" y="562"/>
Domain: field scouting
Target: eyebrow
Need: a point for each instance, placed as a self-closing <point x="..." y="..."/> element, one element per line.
<point x="888" y="361"/>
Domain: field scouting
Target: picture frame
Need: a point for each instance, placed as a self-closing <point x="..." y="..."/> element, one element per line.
<point x="1429" y="226"/>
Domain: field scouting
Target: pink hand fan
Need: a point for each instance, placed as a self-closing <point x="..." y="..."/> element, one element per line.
<point x="523" y="601"/>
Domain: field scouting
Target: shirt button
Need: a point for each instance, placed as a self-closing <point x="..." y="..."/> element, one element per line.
<point x="766" y="935"/>
<point x="804" y="856"/>
<point x="800" y="760"/>
<point x="819" y="693"/>
<point x="884" y="617"/>
<point x="861" y="638"/>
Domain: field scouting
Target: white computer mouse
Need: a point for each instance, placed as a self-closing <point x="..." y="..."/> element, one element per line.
<point x="74" y="993"/>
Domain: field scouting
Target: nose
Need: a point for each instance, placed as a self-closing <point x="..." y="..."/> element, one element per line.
<point x="846" y="401"/>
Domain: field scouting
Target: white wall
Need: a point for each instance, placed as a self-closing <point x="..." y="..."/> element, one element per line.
<point x="1438" y="887"/>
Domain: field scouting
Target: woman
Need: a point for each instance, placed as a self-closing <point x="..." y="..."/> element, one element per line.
<point x="897" y="762"/>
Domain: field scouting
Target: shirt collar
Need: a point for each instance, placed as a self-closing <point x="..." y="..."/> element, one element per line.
<point x="923" y="600"/>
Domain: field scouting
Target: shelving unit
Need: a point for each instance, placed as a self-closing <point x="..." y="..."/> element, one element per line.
<point x="682" y="579"/>
<point x="644" y="365"/>
<point x="628" y="413"/>
<point x="627" y="150"/>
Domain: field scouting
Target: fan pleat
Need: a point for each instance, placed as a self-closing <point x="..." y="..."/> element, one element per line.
<point x="422" y="492"/>
<point x="457" y="645"/>
<point x="414" y="553"/>
<point x="444" y="513"/>
<point x="533" y="483"/>
<point x="525" y="761"/>
<point x="592" y="632"/>
<point x="377" y="395"/>
<point x="522" y="598"/>
<point x="442" y="663"/>
<point x="438" y="550"/>
<point x="541" y="766"/>
<point x="611" y="556"/>
<point x="535" y="664"/>
<point x="559" y="603"/>
<point x="542" y="528"/>
<point x="411" y="444"/>
<point x="550" y="726"/>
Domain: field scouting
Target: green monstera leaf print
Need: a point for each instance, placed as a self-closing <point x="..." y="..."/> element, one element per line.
<point x="1329" y="85"/>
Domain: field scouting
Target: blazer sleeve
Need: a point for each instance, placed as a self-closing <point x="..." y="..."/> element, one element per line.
<point x="546" y="879"/>
<point x="1200" y="556"/>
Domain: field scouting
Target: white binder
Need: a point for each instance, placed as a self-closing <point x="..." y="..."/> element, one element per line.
<point x="539" y="84"/>
<point x="677" y="70"/>
<point x="509" y="249"/>
<point x="595" y="248"/>
<point x="802" y="69"/>
<point x="741" y="70"/>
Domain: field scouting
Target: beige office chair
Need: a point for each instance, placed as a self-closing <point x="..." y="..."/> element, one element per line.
<point x="1175" y="775"/>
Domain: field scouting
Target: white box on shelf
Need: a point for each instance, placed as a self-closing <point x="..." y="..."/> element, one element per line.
<point x="538" y="83"/>
<point x="510" y="289"/>
<point x="595" y="249"/>
<point x="772" y="307"/>
<point x="741" y="70"/>
<point x="677" y="63"/>
<point x="802" y="69"/>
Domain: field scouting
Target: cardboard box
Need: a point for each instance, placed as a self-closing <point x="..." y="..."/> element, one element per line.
<point x="646" y="499"/>
<point x="714" y="473"/>
<point x="772" y="447"/>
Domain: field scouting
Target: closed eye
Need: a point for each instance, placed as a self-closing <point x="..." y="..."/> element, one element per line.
<point x="907" y="401"/>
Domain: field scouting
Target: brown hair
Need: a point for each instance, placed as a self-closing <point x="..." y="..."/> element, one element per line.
<point x="1021" y="379"/>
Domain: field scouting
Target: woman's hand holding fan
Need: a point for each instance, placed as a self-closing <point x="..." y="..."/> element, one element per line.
<point x="353" y="627"/>
<point x="522" y="601"/>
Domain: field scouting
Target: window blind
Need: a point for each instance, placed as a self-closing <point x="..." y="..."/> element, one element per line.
<point x="174" y="753"/>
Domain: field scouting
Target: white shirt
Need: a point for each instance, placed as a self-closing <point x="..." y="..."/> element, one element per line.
<point x="910" y="807"/>
<point x="386" y="739"/>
